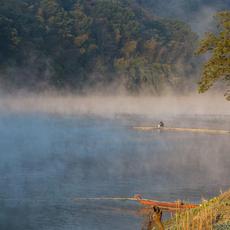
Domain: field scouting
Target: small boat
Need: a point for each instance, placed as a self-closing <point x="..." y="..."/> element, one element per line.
<point x="166" y="206"/>
<point x="195" y="130"/>
<point x="171" y="206"/>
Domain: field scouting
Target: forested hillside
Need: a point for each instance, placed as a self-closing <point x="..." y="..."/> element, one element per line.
<point x="184" y="10"/>
<point x="85" y="43"/>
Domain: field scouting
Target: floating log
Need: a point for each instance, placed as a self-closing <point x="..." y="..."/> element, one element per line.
<point x="195" y="130"/>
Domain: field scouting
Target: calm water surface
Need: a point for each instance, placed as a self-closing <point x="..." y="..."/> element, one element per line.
<point x="47" y="160"/>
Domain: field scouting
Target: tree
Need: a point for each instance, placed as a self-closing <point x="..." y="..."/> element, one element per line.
<point x="218" y="45"/>
<point x="82" y="43"/>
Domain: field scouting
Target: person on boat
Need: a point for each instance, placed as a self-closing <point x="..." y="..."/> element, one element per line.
<point x="160" y="125"/>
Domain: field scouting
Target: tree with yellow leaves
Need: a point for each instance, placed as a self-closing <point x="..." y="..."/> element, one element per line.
<point x="218" y="44"/>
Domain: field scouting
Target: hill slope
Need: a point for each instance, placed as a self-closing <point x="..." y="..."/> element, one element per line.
<point x="76" y="43"/>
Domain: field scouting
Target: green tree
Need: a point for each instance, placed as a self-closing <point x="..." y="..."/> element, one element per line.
<point x="82" y="43"/>
<point x="218" y="45"/>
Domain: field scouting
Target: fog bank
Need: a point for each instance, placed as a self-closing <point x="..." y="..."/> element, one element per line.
<point x="108" y="106"/>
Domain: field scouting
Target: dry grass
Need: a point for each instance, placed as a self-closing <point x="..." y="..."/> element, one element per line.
<point x="212" y="214"/>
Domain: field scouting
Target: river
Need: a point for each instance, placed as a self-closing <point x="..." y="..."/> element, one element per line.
<point x="48" y="160"/>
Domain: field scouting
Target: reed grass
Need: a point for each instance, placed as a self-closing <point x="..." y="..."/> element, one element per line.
<point x="210" y="215"/>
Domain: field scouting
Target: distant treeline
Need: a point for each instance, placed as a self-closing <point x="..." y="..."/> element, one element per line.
<point x="85" y="43"/>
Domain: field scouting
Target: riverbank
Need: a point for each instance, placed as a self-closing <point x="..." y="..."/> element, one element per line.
<point x="211" y="214"/>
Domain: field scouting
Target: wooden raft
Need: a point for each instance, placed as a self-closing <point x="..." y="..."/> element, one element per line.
<point x="195" y="130"/>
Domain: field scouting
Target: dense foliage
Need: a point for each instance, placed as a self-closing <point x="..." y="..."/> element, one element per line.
<point x="185" y="10"/>
<point x="78" y="43"/>
<point x="218" y="65"/>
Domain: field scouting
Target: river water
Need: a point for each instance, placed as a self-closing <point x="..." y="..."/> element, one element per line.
<point x="48" y="160"/>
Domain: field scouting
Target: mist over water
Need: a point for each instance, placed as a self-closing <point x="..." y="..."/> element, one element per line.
<point x="110" y="106"/>
<point x="56" y="148"/>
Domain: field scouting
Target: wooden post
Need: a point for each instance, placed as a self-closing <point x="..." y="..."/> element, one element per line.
<point x="155" y="217"/>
